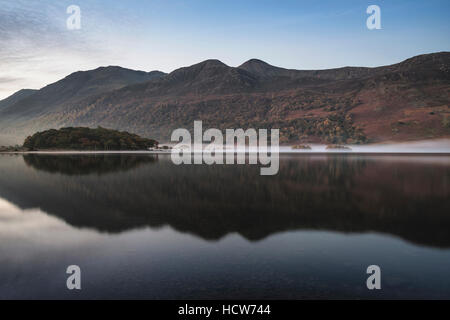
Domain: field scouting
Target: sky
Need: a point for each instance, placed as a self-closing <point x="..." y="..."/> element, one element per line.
<point x="37" y="48"/>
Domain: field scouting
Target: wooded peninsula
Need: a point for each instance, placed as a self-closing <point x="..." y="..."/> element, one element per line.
<point x="82" y="138"/>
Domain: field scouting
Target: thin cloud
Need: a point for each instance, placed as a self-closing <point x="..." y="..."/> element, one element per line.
<point x="9" y="79"/>
<point x="37" y="48"/>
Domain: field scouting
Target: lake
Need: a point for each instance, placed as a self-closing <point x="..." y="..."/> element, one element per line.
<point x="141" y="227"/>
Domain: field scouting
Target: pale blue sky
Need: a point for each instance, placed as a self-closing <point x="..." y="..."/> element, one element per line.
<point x="36" y="48"/>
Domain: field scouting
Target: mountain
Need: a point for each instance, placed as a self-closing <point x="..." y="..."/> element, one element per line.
<point x="25" y="115"/>
<point x="19" y="95"/>
<point x="207" y="77"/>
<point x="404" y="101"/>
<point x="262" y="69"/>
<point x="76" y="87"/>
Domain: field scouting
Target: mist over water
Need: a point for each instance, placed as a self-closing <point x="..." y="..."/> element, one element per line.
<point x="424" y="146"/>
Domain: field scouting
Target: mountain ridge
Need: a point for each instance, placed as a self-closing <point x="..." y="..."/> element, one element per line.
<point x="16" y="96"/>
<point x="399" y="102"/>
<point x="79" y="85"/>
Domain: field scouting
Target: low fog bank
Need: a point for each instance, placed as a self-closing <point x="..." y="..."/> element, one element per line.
<point x="424" y="146"/>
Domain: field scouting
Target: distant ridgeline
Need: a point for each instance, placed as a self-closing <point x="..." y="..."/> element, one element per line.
<point x="81" y="138"/>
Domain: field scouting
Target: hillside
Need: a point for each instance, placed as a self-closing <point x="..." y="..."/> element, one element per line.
<point x="405" y="101"/>
<point x="75" y="88"/>
<point x="72" y="89"/>
<point x="17" y="96"/>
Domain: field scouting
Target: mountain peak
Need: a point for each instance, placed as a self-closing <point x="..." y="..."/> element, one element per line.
<point x="263" y="69"/>
<point x="253" y="62"/>
<point x="204" y="69"/>
<point x="109" y="68"/>
<point x="212" y="63"/>
<point x="209" y="76"/>
<point x="108" y="71"/>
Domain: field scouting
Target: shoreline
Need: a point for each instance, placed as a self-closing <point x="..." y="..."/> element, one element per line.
<point x="294" y="152"/>
<point x="424" y="147"/>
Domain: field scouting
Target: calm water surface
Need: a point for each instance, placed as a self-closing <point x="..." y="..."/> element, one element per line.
<point x="141" y="227"/>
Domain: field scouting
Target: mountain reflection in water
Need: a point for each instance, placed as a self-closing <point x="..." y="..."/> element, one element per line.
<point x="405" y="196"/>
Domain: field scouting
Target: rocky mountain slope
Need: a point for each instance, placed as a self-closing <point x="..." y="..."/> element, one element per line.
<point x="405" y="101"/>
<point x="14" y="98"/>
